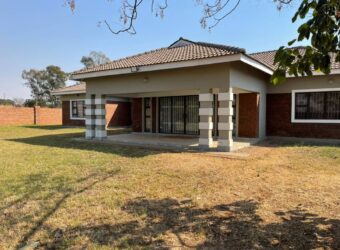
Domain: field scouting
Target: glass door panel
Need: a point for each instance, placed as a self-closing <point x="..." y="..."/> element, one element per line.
<point x="179" y="115"/>
<point x="191" y="115"/>
<point x="178" y="105"/>
<point x="165" y="114"/>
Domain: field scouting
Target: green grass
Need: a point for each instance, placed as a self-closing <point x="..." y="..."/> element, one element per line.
<point x="68" y="194"/>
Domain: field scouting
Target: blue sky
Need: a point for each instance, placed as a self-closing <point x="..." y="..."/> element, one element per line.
<point x="37" y="33"/>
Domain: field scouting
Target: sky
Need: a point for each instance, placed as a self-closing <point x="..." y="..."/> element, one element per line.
<point x="38" y="33"/>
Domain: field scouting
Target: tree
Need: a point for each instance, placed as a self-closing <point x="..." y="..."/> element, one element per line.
<point x="94" y="58"/>
<point x="321" y="28"/>
<point x="6" y="102"/>
<point x="42" y="82"/>
<point x="19" y="102"/>
<point x="29" y="103"/>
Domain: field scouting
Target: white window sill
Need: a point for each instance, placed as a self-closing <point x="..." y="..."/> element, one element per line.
<point x="75" y="118"/>
<point x="317" y="121"/>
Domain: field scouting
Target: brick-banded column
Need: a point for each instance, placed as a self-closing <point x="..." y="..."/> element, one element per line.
<point x="100" y="131"/>
<point x="90" y="117"/>
<point x="206" y="121"/>
<point x="225" y="117"/>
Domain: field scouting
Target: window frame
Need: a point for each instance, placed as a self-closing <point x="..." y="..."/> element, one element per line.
<point x="294" y="120"/>
<point x="71" y="113"/>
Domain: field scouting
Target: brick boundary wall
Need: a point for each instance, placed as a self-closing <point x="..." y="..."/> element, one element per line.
<point x="279" y="121"/>
<point x="248" y="115"/>
<point x="10" y="115"/>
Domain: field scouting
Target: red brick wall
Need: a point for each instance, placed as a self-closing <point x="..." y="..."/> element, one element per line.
<point x="248" y="125"/>
<point x="136" y="114"/>
<point x="66" y="116"/>
<point x="24" y="116"/>
<point x="48" y="116"/>
<point x="279" y="121"/>
<point x="118" y="113"/>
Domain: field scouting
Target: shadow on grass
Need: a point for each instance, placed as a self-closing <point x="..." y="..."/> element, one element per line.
<point x="45" y="127"/>
<point x="62" y="190"/>
<point x="225" y="226"/>
<point x="298" y="142"/>
<point x="67" y="141"/>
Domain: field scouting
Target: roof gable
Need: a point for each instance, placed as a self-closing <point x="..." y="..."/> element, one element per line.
<point x="180" y="43"/>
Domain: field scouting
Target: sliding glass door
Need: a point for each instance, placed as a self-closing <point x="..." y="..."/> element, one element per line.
<point x="179" y="115"/>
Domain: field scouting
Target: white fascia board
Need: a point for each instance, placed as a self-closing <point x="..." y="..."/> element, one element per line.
<point x="317" y="73"/>
<point x="164" y="66"/>
<point x="68" y="93"/>
<point x="248" y="60"/>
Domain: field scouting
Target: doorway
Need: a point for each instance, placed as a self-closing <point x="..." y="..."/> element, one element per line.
<point x="179" y="115"/>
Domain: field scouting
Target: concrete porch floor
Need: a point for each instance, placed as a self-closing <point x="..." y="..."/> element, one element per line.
<point x="179" y="142"/>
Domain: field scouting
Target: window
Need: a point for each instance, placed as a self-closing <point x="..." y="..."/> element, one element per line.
<point x="77" y="109"/>
<point x="317" y="106"/>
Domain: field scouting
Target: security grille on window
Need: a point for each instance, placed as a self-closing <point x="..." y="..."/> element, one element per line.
<point x="317" y="105"/>
<point x="78" y="109"/>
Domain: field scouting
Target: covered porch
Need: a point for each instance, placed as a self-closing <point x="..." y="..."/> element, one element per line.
<point x="189" y="120"/>
<point x="207" y="108"/>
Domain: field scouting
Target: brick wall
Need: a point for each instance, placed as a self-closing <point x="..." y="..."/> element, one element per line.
<point x="25" y="116"/>
<point x="118" y="113"/>
<point x="48" y="116"/>
<point x="136" y="114"/>
<point x="279" y="121"/>
<point x="66" y="116"/>
<point x="248" y="115"/>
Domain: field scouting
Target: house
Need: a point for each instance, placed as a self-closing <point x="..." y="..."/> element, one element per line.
<point x="118" y="110"/>
<point x="214" y="93"/>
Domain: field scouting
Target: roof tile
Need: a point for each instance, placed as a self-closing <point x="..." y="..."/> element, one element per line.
<point x="188" y="51"/>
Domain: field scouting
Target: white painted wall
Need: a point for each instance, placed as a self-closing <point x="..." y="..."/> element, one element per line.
<point x="307" y="82"/>
<point x="247" y="78"/>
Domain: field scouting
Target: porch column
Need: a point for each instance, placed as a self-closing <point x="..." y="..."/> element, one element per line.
<point x="90" y="117"/>
<point x="225" y="117"/>
<point x="206" y="119"/>
<point x="100" y="131"/>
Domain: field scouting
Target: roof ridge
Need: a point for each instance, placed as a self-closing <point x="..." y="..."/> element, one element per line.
<point x="222" y="46"/>
<point x="268" y="51"/>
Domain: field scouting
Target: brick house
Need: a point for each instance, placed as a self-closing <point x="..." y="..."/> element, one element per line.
<point x="118" y="110"/>
<point x="211" y="92"/>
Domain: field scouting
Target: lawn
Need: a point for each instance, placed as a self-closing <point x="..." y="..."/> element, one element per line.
<point x="59" y="193"/>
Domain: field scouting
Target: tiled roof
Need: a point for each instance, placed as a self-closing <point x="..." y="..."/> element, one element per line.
<point x="181" y="50"/>
<point x="267" y="58"/>
<point x="186" y="50"/>
<point x="73" y="89"/>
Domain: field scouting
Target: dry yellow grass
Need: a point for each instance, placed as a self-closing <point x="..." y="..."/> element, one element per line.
<point x="65" y="194"/>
